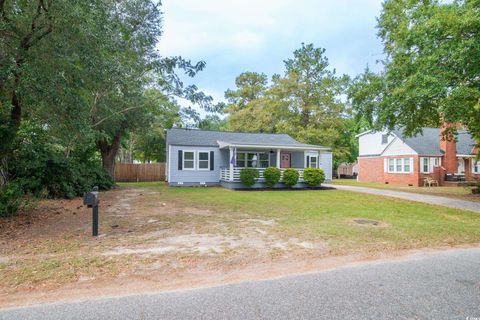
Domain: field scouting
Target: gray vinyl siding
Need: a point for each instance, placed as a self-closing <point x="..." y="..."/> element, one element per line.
<point x="326" y="163"/>
<point x="195" y="177"/>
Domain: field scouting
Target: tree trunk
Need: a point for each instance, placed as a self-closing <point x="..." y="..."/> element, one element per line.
<point x="109" y="151"/>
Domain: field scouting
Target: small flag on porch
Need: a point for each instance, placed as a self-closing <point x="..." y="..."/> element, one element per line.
<point x="234" y="159"/>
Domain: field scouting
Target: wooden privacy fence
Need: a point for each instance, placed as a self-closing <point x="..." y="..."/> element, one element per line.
<point x="139" y="172"/>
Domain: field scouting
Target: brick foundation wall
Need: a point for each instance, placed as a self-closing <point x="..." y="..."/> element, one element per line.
<point x="372" y="170"/>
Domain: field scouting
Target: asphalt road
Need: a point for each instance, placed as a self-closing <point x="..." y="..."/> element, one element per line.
<point x="440" y="285"/>
<point x="436" y="200"/>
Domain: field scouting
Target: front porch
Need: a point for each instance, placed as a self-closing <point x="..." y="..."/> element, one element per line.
<point x="259" y="158"/>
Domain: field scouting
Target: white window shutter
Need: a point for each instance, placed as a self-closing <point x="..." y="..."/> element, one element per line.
<point x="421" y="165"/>
<point x="432" y="164"/>
<point x="411" y="164"/>
<point x="385" y="165"/>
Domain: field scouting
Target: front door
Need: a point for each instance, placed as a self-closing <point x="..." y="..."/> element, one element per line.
<point x="285" y="160"/>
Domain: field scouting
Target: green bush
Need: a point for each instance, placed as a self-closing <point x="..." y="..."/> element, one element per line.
<point x="313" y="176"/>
<point x="290" y="177"/>
<point x="41" y="168"/>
<point x="11" y="199"/>
<point x="272" y="176"/>
<point x="248" y="176"/>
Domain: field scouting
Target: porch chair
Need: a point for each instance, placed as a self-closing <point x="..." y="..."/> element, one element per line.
<point x="429" y="182"/>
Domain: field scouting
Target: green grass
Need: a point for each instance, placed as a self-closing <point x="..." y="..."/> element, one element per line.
<point x="327" y="215"/>
<point x="464" y="193"/>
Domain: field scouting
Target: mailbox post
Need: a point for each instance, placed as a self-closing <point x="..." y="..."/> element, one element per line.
<point x="91" y="200"/>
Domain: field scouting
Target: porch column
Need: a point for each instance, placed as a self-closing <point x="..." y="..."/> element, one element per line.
<point x="231" y="164"/>
<point x="278" y="158"/>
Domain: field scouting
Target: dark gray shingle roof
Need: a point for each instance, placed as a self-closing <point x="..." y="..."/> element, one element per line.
<point x="196" y="137"/>
<point x="428" y="142"/>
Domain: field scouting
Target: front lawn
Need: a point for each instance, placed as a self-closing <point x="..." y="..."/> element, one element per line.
<point x="463" y="193"/>
<point x="160" y="237"/>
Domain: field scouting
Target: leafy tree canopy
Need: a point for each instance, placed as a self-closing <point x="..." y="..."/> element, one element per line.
<point x="432" y="67"/>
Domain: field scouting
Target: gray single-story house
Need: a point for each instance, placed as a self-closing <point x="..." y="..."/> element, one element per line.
<point x="206" y="158"/>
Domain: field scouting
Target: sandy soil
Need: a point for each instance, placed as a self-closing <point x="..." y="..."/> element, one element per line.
<point x="146" y="245"/>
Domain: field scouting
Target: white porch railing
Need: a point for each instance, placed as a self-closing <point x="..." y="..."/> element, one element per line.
<point x="225" y="174"/>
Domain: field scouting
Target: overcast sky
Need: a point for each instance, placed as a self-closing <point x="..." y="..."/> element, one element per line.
<point x="233" y="36"/>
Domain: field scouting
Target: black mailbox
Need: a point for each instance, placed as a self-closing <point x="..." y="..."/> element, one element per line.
<point x="91" y="200"/>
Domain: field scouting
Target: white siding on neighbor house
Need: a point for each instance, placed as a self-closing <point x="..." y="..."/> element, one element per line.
<point x="326" y="163"/>
<point x="398" y="148"/>
<point x="371" y="143"/>
<point x="195" y="176"/>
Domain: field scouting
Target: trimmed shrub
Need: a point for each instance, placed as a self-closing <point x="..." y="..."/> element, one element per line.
<point x="272" y="176"/>
<point x="248" y="176"/>
<point x="290" y="177"/>
<point x="313" y="176"/>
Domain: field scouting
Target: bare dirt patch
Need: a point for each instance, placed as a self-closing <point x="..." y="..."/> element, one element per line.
<point x="142" y="238"/>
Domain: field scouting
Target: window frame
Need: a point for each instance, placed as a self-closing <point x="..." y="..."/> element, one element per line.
<point x="476" y="166"/>
<point x="406" y="161"/>
<point x="425" y="161"/>
<point x="193" y="160"/>
<point x="198" y="160"/>
<point x="310" y="162"/>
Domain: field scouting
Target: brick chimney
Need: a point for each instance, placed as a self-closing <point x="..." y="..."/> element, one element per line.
<point x="449" y="145"/>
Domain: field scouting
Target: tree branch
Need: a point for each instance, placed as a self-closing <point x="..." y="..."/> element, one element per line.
<point x="114" y="114"/>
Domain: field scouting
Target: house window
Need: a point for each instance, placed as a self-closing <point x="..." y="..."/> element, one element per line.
<point x="252" y="160"/>
<point x="313" y="162"/>
<point x="203" y="160"/>
<point x="436" y="162"/>
<point x="264" y="160"/>
<point x="241" y="160"/>
<point x="391" y="165"/>
<point x="384" y="138"/>
<point x="425" y="165"/>
<point x="188" y="160"/>
<point x="406" y="164"/>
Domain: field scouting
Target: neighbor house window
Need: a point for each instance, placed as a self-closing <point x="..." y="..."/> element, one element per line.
<point x="436" y="162"/>
<point x="399" y="165"/>
<point x="203" y="160"/>
<point x="476" y="167"/>
<point x="406" y="164"/>
<point x="425" y="165"/>
<point x="384" y="138"/>
<point x="313" y="162"/>
<point x="391" y="165"/>
<point x="188" y="160"/>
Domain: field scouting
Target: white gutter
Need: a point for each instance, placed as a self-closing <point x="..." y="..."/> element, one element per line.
<point x="223" y="144"/>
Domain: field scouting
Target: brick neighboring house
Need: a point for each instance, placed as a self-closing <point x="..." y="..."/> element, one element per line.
<point x="391" y="157"/>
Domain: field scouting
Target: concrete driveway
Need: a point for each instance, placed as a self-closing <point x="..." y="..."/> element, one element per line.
<point x="436" y="200"/>
<point x="438" y="285"/>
